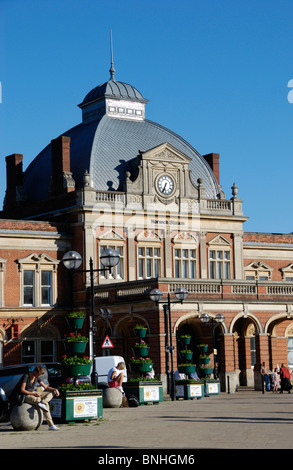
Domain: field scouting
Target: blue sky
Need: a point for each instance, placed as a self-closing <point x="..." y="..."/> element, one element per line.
<point x="215" y="71"/>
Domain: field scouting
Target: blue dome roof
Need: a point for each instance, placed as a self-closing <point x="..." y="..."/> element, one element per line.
<point x="115" y="90"/>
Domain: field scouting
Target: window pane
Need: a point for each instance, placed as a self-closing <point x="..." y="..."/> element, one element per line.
<point x="149" y="268"/>
<point x="212" y="270"/>
<point x="47" y="351"/>
<point x="140" y="268"/>
<point x="184" y="269"/>
<point x="28" y="351"/>
<point x="177" y="268"/>
<point x="156" y="268"/>
<point x="192" y="269"/>
<point x="227" y="271"/>
<point x="46" y="287"/>
<point x="28" y="295"/>
<point x="28" y="278"/>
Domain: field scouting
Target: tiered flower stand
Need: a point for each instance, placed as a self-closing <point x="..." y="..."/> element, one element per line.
<point x="146" y="391"/>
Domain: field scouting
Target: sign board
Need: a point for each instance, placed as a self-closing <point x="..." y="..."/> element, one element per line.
<point x="107" y="343"/>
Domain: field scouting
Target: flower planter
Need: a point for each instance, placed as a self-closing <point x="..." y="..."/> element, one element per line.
<point x="189" y="390"/>
<point x="145" y="392"/>
<point x="143" y="366"/>
<point x="205" y="360"/>
<point x="203" y="348"/>
<point x="75" y="370"/>
<point x="212" y="388"/>
<point x="75" y="347"/>
<point x="142" y="351"/>
<point x="75" y="323"/>
<point x="186" y="369"/>
<point x="185" y="340"/>
<point x="140" y="332"/>
<point x="77" y="406"/>
<point x="207" y="370"/>
<point x="187" y="356"/>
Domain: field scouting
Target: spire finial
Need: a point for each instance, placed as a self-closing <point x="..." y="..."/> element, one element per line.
<point x="112" y="70"/>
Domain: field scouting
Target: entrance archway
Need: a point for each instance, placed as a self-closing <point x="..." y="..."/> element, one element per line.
<point x="246" y="349"/>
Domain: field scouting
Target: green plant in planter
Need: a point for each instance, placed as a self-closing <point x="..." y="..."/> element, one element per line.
<point x="73" y="366"/>
<point x="140" y="360"/>
<point x="76" y="319"/>
<point x="141" y="364"/>
<point x="140" y="331"/>
<point x="186" y="368"/>
<point x="75" y="343"/>
<point x="76" y="315"/>
<point x="74" y="360"/>
<point x="186" y="354"/>
<point x="75" y="387"/>
<point x="185" y="339"/>
<point x="204" y="359"/>
<point x="72" y="337"/>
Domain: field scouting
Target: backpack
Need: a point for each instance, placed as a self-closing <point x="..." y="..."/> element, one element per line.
<point x="132" y="401"/>
<point x="17" y="398"/>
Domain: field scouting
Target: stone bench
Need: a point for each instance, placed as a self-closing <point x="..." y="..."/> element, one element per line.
<point x="112" y="398"/>
<point x="26" y="417"/>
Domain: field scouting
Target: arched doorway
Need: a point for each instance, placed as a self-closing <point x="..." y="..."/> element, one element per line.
<point x="246" y="349"/>
<point x="202" y="333"/>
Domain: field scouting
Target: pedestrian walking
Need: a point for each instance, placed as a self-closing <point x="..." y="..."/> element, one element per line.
<point x="276" y="380"/>
<point x="285" y="379"/>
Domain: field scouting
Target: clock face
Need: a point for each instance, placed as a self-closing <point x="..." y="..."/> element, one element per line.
<point x="165" y="185"/>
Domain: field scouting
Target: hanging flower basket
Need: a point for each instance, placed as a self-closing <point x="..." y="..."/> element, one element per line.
<point x="76" y="370"/>
<point x="185" y="339"/>
<point x="206" y="370"/>
<point x="145" y="367"/>
<point x="186" y="355"/>
<point x="75" y="343"/>
<point x="140" y="331"/>
<point x="75" y="320"/>
<point x="75" y="366"/>
<point x="204" y="359"/>
<point x="186" y="368"/>
<point x="141" y="364"/>
<point x="203" y="347"/>
<point x="142" y="351"/>
<point x="75" y="347"/>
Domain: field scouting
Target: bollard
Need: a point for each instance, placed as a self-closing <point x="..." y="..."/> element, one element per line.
<point x="228" y="383"/>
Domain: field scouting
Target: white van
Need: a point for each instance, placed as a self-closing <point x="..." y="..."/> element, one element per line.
<point x="104" y="364"/>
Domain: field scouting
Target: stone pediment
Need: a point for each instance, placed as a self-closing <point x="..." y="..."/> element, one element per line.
<point x="258" y="265"/>
<point x="219" y="240"/>
<point x="34" y="258"/>
<point x="111" y="235"/>
<point x="165" y="154"/>
<point x="156" y="165"/>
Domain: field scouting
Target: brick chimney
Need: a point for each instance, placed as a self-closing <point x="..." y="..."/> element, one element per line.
<point x="62" y="181"/>
<point x="14" y="181"/>
<point x="213" y="161"/>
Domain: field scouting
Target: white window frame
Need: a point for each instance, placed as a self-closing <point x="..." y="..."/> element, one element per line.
<point x="258" y="271"/>
<point x="185" y="265"/>
<point x="222" y="245"/>
<point x="117" y="273"/>
<point x="149" y="263"/>
<point x="38" y="264"/>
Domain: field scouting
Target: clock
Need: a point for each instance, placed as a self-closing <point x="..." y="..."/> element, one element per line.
<point x="165" y="185"/>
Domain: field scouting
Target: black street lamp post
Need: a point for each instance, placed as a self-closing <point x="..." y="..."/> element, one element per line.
<point x="72" y="261"/>
<point x="156" y="295"/>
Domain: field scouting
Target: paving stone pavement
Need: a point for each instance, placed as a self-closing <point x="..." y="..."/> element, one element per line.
<point x="242" y="420"/>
